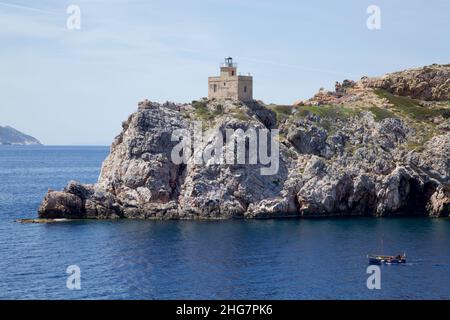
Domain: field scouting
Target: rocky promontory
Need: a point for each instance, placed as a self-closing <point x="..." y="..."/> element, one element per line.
<point x="373" y="147"/>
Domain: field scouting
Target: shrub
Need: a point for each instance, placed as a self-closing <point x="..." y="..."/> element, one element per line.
<point x="408" y="106"/>
<point x="380" y="113"/>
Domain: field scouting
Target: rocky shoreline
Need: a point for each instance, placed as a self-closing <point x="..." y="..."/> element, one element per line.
<point x="375" y="147"/>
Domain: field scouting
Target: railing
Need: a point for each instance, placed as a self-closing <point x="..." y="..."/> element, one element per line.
<point x="228" y="65"/>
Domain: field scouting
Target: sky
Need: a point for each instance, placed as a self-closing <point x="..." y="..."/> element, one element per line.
<point x="75" y="86"/>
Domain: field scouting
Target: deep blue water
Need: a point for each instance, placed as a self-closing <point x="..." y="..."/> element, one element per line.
<point x="271" y="259"/>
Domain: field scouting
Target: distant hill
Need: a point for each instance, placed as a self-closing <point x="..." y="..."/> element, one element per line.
<point x="11" y="136"/>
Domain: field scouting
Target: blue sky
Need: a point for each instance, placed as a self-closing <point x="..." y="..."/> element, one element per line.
<point x="77" y="86"/>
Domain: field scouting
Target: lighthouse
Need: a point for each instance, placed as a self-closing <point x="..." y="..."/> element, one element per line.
<point x="230" y="85"/>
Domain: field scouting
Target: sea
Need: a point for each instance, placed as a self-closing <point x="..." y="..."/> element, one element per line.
<point x="324" y="258"/>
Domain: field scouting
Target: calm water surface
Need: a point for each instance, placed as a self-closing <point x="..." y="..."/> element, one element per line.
<point x="284" y="259"/>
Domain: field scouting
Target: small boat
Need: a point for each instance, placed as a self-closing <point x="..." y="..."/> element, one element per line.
<point x="380" y="259"/>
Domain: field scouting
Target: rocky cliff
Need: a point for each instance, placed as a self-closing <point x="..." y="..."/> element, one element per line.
<point x="431" y="83"/>
<point x="375" y="147"/>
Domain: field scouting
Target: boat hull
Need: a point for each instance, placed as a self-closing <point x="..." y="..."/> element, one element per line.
<point x="379" y="259"/>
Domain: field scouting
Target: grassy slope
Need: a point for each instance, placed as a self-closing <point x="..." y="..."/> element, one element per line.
<point x="411" y="107"/>
<point x="418" y="115"/>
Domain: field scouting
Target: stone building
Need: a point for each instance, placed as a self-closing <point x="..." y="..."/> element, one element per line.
<point x="229" y="84"/>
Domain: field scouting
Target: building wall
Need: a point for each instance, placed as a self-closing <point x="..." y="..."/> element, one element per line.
<point x="232" y="87"/>
<point x="228" y="71"/>
<point x="245" y="88"/>
<point x="222" y="88"/>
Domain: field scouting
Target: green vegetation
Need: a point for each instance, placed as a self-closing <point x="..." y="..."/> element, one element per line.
<point x="380" y="113"/>
<point x="240" y="114"/>
<point x="411" y="107"/>
<point x="218" y="111"/>
<point x="282" y="111"/>
<point x="202" y="112"/>
<point x="199" y="104"/>
<point x="328" y="114"/>
<point x="332" y="112"/>
<point x="418" y="113"/>
<point x="445" y="113"/>
<point x="417" y="146"/>
<point x="350" y="149"/>
<point x="424" y="132"/>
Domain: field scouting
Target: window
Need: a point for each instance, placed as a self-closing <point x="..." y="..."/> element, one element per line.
<point x="245" y="88"/>
<point x="215" y="87"/>
<point x="232" y="73"/>
<point x="224" y="84"/>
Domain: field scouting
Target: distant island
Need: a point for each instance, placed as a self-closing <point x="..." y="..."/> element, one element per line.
<point x="11" y="136"/>
<point x="374" y="147"/>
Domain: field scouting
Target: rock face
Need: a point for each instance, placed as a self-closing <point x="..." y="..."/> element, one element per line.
<point x="431" y="83"/>
<point x="11" y="136"/>
<point x="80" y="201"/>
<point x="340" y="160"/>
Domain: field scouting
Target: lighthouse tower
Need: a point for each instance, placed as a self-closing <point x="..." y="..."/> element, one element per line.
<point x="230" y="85"/>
